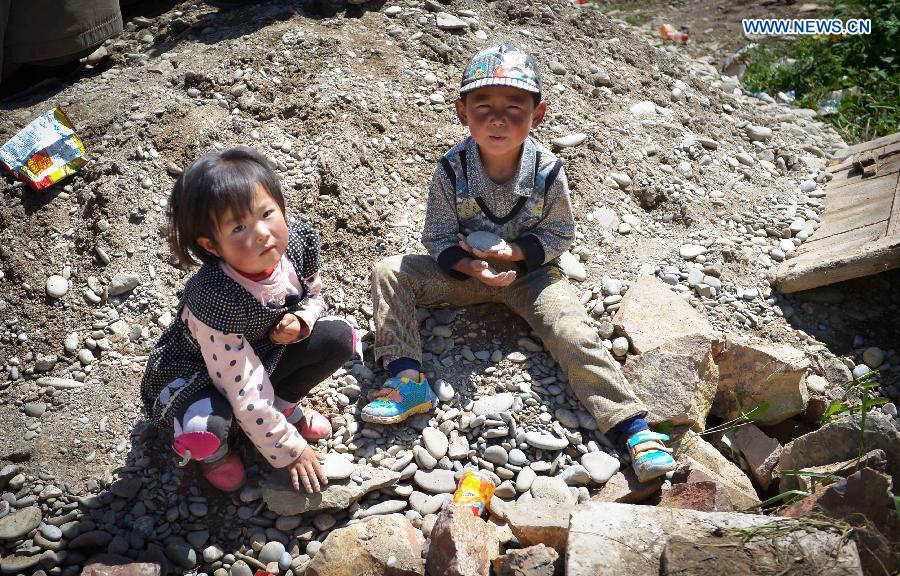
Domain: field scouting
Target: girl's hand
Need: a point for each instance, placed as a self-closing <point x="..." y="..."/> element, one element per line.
<point x="308" y="470"/>
<point x="482" y="270"/>
<point x="290" y="328"/>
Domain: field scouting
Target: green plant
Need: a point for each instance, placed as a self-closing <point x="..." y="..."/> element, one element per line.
<point x="864" y="70"/>
<point x="858" y="397"/>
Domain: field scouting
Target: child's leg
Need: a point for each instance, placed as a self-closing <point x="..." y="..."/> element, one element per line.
<point x="198" y="418"/>
<point x="304" y="364"/>
<point x="399" y="284"/>
<point x="551" y="307"/>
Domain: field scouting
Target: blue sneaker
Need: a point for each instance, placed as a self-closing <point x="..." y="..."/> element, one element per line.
<point x="400" y="398"/>
<point x="649" y="457"/>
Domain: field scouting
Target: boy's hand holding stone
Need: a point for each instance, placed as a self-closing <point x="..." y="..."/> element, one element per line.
<point x="290" y="328"/>
<point x="482" y="270"/>
<point x="505" y="251"/>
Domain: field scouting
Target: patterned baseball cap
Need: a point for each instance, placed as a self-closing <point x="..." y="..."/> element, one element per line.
<point x="504" y="65"/>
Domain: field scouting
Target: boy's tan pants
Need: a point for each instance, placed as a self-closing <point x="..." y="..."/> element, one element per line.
<point x="544" y="298"/>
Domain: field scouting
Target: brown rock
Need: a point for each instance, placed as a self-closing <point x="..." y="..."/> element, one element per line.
<point x="861" y="500"/>
<point x="609" y="538"/>
<point x="760" y="451"/>
<point x="537" y="560"/>
<point x="703" y="496"/>
<point x="830" y="473"/>
<point x="461" y="544"/>
<point x="754" y="372"/>
<point x="676" y="380"/>
<point x="540" y="522"/>
<point x="697" y="454"/>
<point x="365" y="547"/>
<point x="625" y="488"/>
<point x="114" y="565"/>
<point x="649" y="304"/>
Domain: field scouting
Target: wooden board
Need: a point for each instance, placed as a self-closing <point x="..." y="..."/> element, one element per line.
<point x="860" y="232"/>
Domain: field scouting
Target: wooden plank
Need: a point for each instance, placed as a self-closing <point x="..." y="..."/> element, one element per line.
<point x="793" y="276"/>
<point x="876" y="143"/>
<point x="820" y="247"/>
<point x="855" y="216"/>
<point x="894" y="222"/>
<point x="888" y="162"/>
<point x="848" y="174"/>
<point x="860" y="192"/>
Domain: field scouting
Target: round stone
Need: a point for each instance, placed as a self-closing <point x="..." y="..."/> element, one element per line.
<point x="50" y="532"/>
<point x="525" y="479"/>
<point x="490" y="405"/>
<point x="600" y="466"/>
<point x="312" y="548"/>
<point x="620" y="346"/>
<point x="57" y="286"/>
<point x="545" y="441"/>
<point x="691" y="251"/>
<point x="443" y="390"/>
<point x="240" y="568"/>
<point x="436" y="442"/>
<point x="567" y="418"/>
<point x="35" y="409"/>
<point x="873" y="357"/>
<point x="285" y="561"/>
<point x="211" y="554"/>
<point x="569" y="140"/>
<point x="337" y="467"/>
<point x="16" y="524"/>
<point x="575" y="475"/>
<point x="816" y="384"/>
<point x="860" y="370"/>
<point x="485" y="241"/>
<point x="517" y="457"/>
<point x="271" y="552"/>
<point x="496" y="455"/>
<point x="436" y="482"/>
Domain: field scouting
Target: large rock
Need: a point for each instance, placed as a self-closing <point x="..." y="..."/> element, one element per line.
<point x="760" y="451"/>
<point x="702" y="496"/>
<point x="625" y="488"/>
<point x="677" y="380"/>
<point x="607" y="538"/>
<point x="385" y="545"/>
<point x="282" y="499"/>
<point x="114" y="565"/>
<point x="752" y="373"/>
<point x="863" y="501"/>
<point x="648" y="305"/>
<point x="697" y="454"/>
<point x="838" y="440"/>
<point x="540" y="522"/>
<point x="461" y="544"/>
<point x="537" y="560"/>
<point x="19" y="523"/>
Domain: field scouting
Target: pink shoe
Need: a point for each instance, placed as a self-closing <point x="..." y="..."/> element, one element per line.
<point x="226" y="474"/>
<point x="311" y="424"/>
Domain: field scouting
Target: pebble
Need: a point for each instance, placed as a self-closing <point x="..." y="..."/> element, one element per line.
<point x="622" y="180"/>
<point x="496" y="455"/>
<point x="393" y="10"/>
<point x="525" y="479"/>
<point x="51" y="532"/>
<point x="491" y="405"/>
<point x="211" y="554"/>
<point x="860" y="370"/>
<point x="569" y="140"/>
<point x="312" y="548"/>
<point x="517" y="457"/>
<point x="386" y="507"/>
<point x="873" y="357"/>
<point x="444" y="390"/>
<point x="485" y="241"/>
<point x="122" y="283"/>
<point x="505" y="490"/>
<point x="575" y="475"/>
<point x="447" y="21"/>
<point x="240" y="568"/>
<point x="572" y="266"/>
<point x="816" y="384"/>
<point x="642" y="108"/>
<point x="57" y="286"/>
<point x="758" y="133"/>
<point x="691" y="251"/>
<point x="610" y="286"/>
<point x="600" y="466"/>
<point x="545" y="441"/>
<point x="337" y="467"/>
<point x="424" y="458"/>
<point x="271" y="552"/>
<point x="567" y="418"/>
<point x="35" y="409"/>
<point x="620" y="347"/>
<point x="436" y="482"/>
<point x="19" y="523"/>
<point x="436" y="442"/>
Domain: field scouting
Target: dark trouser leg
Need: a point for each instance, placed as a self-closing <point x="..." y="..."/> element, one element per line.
<point x="306" y="363"/>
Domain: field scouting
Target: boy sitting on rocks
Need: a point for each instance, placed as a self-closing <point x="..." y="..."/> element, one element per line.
<point x="504" y="185"/>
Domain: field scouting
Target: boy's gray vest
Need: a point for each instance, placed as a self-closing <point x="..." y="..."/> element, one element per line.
<point x="459" y="178"/>
<point x="223" y="304"/>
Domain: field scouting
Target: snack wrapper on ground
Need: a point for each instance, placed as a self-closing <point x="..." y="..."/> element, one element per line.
<point x="45" y="151"/>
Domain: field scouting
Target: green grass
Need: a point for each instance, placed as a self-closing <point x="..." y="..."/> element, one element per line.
<point x="814" y="66"/>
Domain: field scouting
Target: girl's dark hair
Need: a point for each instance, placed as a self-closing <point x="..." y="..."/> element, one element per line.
<point x="212" y="186"/>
